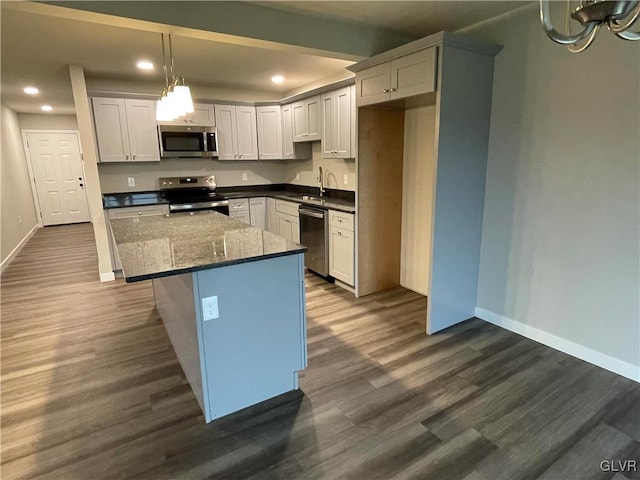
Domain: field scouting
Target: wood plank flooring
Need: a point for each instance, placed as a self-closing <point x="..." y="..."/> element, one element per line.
<point x="91" y="389"/>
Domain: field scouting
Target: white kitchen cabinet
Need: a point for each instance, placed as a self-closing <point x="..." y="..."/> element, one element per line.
<point x="203" y="116"/>
<point x="270" y="137"/>
<point x="237" y="132"/>
<point x="272" y="221"/>
<point x="287" y="220"/>
<point x="337" y="113"/>
<point x="402" y="77"/>
<point x="126" y="130"/>
<point x="341" y="247"/>
<point x="242" y="216"/>
<point x="258" y="212"/>
<point x="307" y="119"/>
<point x="129" y="212"/>
<point x="291" y="150"/>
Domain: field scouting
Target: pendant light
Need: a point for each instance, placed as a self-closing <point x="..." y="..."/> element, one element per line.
<point x="175" y="100"/>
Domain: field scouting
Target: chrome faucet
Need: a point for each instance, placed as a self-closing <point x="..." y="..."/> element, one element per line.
<point x="321" y="180"/>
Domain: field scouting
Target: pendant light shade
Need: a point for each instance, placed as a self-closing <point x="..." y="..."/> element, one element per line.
<point x="175" y="100"/>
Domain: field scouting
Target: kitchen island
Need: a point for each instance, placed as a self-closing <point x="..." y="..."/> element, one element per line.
<point x="231" y="297"/>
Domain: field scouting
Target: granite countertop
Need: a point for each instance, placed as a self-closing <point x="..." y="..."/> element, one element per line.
<point x="138" y="199"/>
<point x="162" y="245"/>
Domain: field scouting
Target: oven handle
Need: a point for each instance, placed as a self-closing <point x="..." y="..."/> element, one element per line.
<point x="311" y="213"/>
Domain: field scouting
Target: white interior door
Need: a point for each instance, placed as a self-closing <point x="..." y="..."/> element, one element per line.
<point x="59" y="178"/>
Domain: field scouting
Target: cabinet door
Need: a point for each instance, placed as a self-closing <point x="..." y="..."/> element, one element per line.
<point x="341" y="258"/>
<point x="284" y="227"/>
<point x="295" y="229"/>
<point x="270" y="133"/>
<point x="247" y="133"/>
<point x="328" y="120"/>
<point x="242" y="216"/>
<point x="111" y="129"/>
<point x="203" y="115"/>
<point x="342" y="123"/>
<point x="258" y="211"/>
<point x="272" y="216"/>
<point x="413" y="74"/>
<point x="143" y="130"/>
<point x="226" y="137"/>
<point x="313" y="110"/>
<point x="300" y="127"/>
<point x="372" y="84"/>
<point x="287" y="131"/>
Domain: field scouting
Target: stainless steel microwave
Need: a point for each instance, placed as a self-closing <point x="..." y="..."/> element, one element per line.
<point x="190" y="142"/>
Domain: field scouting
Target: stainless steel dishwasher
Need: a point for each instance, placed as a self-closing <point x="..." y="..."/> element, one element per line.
<point x="313" y="235"/>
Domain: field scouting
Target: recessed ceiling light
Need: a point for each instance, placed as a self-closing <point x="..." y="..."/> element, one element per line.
<point x="30" y="90"/>
<point x="144" y="65"/>
<point x="46" y="108"/>
<point x="277" y="79"/>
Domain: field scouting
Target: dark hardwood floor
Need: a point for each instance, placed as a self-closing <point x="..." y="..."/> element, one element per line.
<point x="91" y="389"/>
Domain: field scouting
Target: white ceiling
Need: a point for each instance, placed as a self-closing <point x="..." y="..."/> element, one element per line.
<point x="36" y="49"/>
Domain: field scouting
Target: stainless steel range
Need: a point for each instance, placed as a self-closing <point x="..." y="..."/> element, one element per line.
<point x="192" y="194"/>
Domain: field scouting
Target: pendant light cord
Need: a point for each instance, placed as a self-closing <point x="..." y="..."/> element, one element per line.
<point x="164" y="62"/>
<point x="173" y="77"/>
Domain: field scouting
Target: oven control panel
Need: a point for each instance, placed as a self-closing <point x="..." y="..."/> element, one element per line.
<point x="170" y="183"/>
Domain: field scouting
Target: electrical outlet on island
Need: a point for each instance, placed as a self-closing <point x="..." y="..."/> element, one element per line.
<point x="245" y="177"/>
<point x="345" y="179"/>
<point x="131" y="181"/>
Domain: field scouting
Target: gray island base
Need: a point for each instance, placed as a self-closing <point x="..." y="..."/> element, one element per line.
<point x="231" y="298"/>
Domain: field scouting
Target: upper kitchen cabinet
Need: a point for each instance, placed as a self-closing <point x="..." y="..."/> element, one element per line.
<point x="126" y="130"/>
<point x="421" y="171"/>
<point x="237" y="132"/>
<point x="401" y="77"/>
<point x="307" y="119"/>
<point x="338" y="121"/>
<point x="202" y="116"/>
<point x="291" y="150"/>
<point x="269" y="132"/>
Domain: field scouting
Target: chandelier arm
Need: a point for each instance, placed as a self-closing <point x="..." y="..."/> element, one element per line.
<point x="620" y="26"/>
<point x="553" y="34"/>
<point x="575" y="48"/>
<point x="628" y="35"/>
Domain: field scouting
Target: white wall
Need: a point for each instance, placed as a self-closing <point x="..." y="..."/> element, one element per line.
<point x="30" y="121"/>
<point x="113" y="176"/>
<point x="334" y="170"/>
<point x="560" y="245"/>
<point x="18" y="213"/>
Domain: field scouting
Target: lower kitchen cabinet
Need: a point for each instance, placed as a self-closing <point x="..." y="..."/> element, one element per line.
<point x="239" y="209"/>
<point x="287" y="220"/>
<point x="272" y="220"/>
<point x="258" y="212"/>
<point x="341" y="247"/>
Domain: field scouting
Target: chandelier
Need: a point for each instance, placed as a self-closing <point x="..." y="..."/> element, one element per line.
<point x="175" y="100"/>
<point x="618" y="16"/>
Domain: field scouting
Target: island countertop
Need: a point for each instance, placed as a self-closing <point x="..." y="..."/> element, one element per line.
<point x="163" y="245"/>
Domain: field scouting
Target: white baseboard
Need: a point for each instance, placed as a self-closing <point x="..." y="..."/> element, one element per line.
<point x="574" y="349"/>
<point x="107" y="277"/>
<point x="5" y="263"/>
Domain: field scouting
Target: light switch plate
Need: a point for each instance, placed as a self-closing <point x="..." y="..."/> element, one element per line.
<point x="245" y="177"/>
<point x="131" y="181"/>
<point x="210" y="308"/>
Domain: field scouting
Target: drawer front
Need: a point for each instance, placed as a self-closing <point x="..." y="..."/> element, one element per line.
<point x="288" y="208"/>
<point x="341" y="220"/>
<point x="129" y="212"/>
<point x="242" y="216"/>
<point x="238" y="204"/>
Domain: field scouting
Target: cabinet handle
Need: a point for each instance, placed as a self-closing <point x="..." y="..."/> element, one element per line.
<point x="134" y="156"/>
<point x="386" y="90"/>
<point x="126" y="157"/>
<point x="139" y="213"/>
<point x="340" y="220"/>
<point x="392" y="89"/>
<point x="235" y="155"/>
<point x="339" y="233"/>
<point x="240" y="155"/>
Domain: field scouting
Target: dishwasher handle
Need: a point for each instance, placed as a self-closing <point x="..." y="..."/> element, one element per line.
<point x="311" y="213"/>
